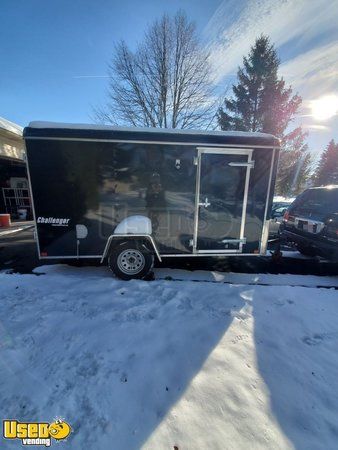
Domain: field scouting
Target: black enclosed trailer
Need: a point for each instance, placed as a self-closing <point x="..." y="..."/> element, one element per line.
<point x="126" y="195"/>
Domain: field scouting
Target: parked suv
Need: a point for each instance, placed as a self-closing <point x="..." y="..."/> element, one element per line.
<point x="311" y="222"/>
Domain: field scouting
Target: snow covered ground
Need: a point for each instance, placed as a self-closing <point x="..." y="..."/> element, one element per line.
<point x="228" y="364"/>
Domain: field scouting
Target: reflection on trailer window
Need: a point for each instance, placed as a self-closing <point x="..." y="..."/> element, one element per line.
<point x="157" y="181"/>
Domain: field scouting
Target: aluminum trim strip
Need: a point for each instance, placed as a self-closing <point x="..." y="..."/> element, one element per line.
<point x="234" y="241"/>
<point x="169" y="255"/>
<point x="132" y="141"/>
<point x="71" y="257"/>
<point x="197" y="200"/>
<point x="265" y="231"/>
<point x="248" y="165"/>
<point x="188" y="255"/>
<point x="245" y="197"/>
<point x="220" y="252"/>
<point x="241" y="150"/>
<point x="32" y="199"/>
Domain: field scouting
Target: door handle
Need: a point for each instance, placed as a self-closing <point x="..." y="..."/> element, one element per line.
<point x="205" y="203"/>
<point x="250" y="164"/>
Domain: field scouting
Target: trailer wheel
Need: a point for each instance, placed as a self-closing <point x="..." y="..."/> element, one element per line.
<point x="130" y="260"/>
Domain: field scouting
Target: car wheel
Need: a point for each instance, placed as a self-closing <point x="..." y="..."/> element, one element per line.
<point x="130" y="260"/>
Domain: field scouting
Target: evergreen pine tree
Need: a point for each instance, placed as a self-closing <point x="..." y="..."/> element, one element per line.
<point x="327" y="169"/>
<point x="294" y="164"/>
<point x="262" y="102"/>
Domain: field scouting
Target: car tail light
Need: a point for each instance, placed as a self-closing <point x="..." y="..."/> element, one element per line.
<point x="335" y="232"/>
<point x="287" y="217"/>
<point x="332" y="233"/>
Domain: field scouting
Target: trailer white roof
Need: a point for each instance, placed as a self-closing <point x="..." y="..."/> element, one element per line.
<point x="85" y="126"/>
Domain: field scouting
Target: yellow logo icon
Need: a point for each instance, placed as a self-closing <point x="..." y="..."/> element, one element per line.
<point x="59" y="429"/>
<point x="36" y="433"/>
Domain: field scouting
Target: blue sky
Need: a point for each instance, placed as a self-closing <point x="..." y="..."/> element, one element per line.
<point x="49" y="47"/>
<point x="54" y="53"/>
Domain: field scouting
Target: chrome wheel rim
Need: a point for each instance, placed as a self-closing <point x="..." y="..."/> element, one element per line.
<point x="130" y="261"/>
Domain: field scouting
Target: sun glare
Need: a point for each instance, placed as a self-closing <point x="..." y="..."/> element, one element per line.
<point x="324" y="107"/>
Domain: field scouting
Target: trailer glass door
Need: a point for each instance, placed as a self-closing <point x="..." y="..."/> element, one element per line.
<point x="221" y="197"/>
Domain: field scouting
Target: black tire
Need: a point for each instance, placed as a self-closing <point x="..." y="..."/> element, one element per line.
<point x="307" y="251"/>
<point x="131" y="260"/>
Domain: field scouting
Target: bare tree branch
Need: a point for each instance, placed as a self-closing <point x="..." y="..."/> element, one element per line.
<point x="165" y="83"/>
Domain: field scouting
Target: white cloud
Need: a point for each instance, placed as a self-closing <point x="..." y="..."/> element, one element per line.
<point x="315" y="72"/>
<point x="304" y="31"/>
<point x="316" y="127"/>
<point x="236" y="24"/>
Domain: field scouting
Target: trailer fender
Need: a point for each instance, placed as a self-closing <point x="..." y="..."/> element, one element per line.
<point x="135" y="228"/>
<point x="134" y="225"/>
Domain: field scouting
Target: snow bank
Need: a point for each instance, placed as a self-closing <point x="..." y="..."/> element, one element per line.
<point x="170" y="363"/>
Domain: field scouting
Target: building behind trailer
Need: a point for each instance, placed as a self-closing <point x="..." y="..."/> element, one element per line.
<point x="14" y="192"/>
